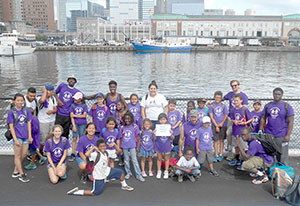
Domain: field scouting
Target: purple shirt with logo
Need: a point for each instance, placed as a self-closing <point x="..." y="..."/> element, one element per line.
<point x="276" y="115"/>
<point x="191" y="133"/>
<point x="99" y="116"/>
<point x="202" y="113"/>
<point x="256" y="120"/>
<point x="129" y="139"/>
<point x="112" y="105"/>
<point x="84" y="144"/>
<point x="186" y="117"/>
<point x="237" y="114"/>
<point x="220" y="110"/>
<point x="110" y="137"/>
<point x="79" y="109"/>
<point x="21" y="127"/>
<point x="205" y="139"/>
<point x="163" y="144"/>
<point x="66" y="94"/>
<point x="147" y="140"/>
<point x="173" y="119"/>
<point x="56" y="150"/>
<point x="256" y="149"/>
<point x="230" y="96"/>
<point x="35" y="133"/>
<point x="136" y="111"/>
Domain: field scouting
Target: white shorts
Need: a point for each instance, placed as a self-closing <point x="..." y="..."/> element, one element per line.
<point x="111" y="153"/>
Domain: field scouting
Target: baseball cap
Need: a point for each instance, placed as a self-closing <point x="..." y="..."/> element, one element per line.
<point x="206" y="119"/>
<point x="72" y="76"/>
<point x="49" y="87"/>
<point x="194" y="113"/>
<point x="257" y="101"/>
<point x="201" y="100"/>
<point x="100" y="95"/>
<point x="78" y="95"/>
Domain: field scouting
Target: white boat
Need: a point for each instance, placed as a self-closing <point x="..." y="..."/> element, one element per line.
<point x="14" y="43"/>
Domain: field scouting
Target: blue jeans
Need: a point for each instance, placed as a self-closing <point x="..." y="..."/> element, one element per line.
<point x="80" y="131"/>
<point x="194" y="172"/>
<point x="132" y="153"/>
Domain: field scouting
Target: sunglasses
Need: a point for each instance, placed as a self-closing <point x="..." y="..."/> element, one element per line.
<point x="234" y="85"/>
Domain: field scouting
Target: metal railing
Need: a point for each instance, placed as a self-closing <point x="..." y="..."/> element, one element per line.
<point x="6" y="147"/>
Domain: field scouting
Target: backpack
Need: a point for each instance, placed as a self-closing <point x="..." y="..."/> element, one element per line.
<point x="280" y="183"/>
<point x="8" y="134"/>
<point x="292" y="195"/>
<point x="90" y="165"/>
<point x="135" y="127"/>
<point x="286" y="107"/>
<point x="73" y="105"/>
<point x="104" y="129"/>
<point x="268" y="143"/>
<point x="64" y="141"/>
<point x="288" y="169"/>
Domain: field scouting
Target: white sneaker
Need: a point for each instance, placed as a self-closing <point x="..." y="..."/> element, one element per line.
<point x="166" y="174"/>
<point x="70" y="192"/>
<point x="158" y="175"/>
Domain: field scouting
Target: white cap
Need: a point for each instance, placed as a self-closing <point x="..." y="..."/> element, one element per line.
<point x="206" y="119"/>
<point x="78" y="95"/>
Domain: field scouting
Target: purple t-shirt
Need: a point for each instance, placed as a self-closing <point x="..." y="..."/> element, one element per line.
<point x="79" y="109"/>
<point x="256" y="149"/>
<point x="256" y="120"/>
<point x="186" y="117"/>
<point x="112" y="105"/>
<point x="110" y="137"/>
<point x="56" y="150"/>
<point x="173" y="119"/>
<point x="202" y="113"/>
<point x="136" y="111"/>
<point x="276" y="115"/>
<point x="191" y="133"/>
<point x="129" y="140"/>
<point x="163" y="144"/>
<point x="66" y="94"/>
<point x="84" y="144"/>
<point x="99" y="116"/>
<point x="205" y="139"/>
<point x="219" y="113"/>
<point x="147" y="140"/>
<point x="237" y="114"/>
<point x="21" y="127"/>
<point x="35" y="133"/>
<point x="230" y="96"/>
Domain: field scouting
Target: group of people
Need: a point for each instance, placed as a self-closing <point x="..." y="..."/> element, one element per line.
<point x="119" y="131"/>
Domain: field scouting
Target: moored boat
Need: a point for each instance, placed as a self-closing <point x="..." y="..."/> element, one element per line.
<point x="152" y="46"/>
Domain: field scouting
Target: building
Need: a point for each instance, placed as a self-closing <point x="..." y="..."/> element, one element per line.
<point x="95" y="10"/>
<point x="229" y="12"/>
<point x="1" y="12"/>
<point x="249" y="12"/>
<point x="39" y="14"/>
<point x="122" y="11"/>
<point x="97" y="29"/>
<point x="213" y="12"/>
<point x="108" y="4"/>
<point x="262" y="27"/>
<point x="11" y="10"/>
<point x="72" y="26"/>
<point x="146" y="10"/>
<point x="160" y="7"/>
<point x="185" y="7"/>
<point x="61" y="15"/>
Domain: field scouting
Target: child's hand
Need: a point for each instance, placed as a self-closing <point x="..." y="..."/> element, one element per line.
<point x="220" y="125"/>
<point x="72" y="115"/>
<point x="198" y="151"/>
<point x="60" y="104"/>
<point x="119" y="151"/>
<point x="188" y="171"/>
<point x="137" y="150"/>
<point x="74" y="129"/>
<point x="111" y="144"/>
<point x="180" y="154"/>
<point x="154" y="132"/>
<point x="218" y="129"/>
<point x="94" y="107"/>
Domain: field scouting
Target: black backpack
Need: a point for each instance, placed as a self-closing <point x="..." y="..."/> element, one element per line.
<point x="268" y="143"/>
<point x="292" y="195"/>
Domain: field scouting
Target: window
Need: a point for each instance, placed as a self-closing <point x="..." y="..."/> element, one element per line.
<point x="266" y="33"/>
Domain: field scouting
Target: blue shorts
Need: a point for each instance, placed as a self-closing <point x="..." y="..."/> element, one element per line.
<point x="32" y="150"/>
<point x="22" y="141"/>
<point x="79" y="160"/>
<point x="115" y="173"/>
<point x="144" y="153"/>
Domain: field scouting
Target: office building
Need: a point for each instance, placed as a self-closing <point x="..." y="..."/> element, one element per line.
<point x="249" y="12"/>
<point x="214" y="12"/>
<point x="185" y="7"/>
<point x="122" y="11"/>
<point x="95" y="10"/>
<point x="229" y="12"/>
<point x="61" y="15"/>
<point x="72" y="23"/>
<point x="146" y="10"/>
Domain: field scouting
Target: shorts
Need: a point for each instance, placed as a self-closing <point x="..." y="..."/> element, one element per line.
<point x="49" y="166"/>
<point x="32" y="151"/>
<point x="111" y="153"/>
<point x="253" y="163"/>
<point x="115" y="173"/>
<point x="45" y="130"/>
<point x="242" y="142"/>
<point x="176" y="140"/>
<point x="144" y="153"/>
<point x="206" y="154"/>
<point x="219" y="135"/>
<point x="80" y="130"/>
<point x="79" y="160"/>
<point x="22" y="141"/>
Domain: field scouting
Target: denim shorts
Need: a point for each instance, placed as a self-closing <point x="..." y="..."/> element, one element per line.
<point x="79" y="160"/>
<point x="49" y="166"/>
<point x="22" y="141"/>
<point x="144" y="153"/>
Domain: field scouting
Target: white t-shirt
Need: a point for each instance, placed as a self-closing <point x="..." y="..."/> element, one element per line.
<point x="154" y="105"/>
<point x="184" y="163"/>
<point x="101" y="169"/>
<point x="42" y="115"/>
<point x="30" y="104"/>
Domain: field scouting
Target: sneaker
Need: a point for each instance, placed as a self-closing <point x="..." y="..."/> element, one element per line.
<point x="260" y="179"/>
<point x="71" y="192"/>
<point x="253" y="175"/>
<point x="158" y="175"/>
<point x="239" y="162"/>
<point x="191" y="178"/>
<point x="150" y="174"/>
<point x="232" y="163"/>
<point x="239" y="167"/>
<point x="30" y="166"/>
<point x="220" y="158"/>
<point x="144" y="174"/>
<point x="215" y="158"/>
<point x="42" y="160"/>
<point x="140" y="178"/>
<point x="199" y="175"/>
<point x="116" y="160"/>
<point x="113" y="179"/>
<point x="83" y="179"/>
<point x="214" y="173"/>
<point x="121" y="164"/>
<point x="127" y="188"/>
<point x="72" y="158"/>
<point x="166" y="174"/>
<point x="127" y="176"/>
<point x="29" y="158"/>
<point x="180" y="178"/>
<point x="24" y="178"/>
<point x="64" y="177"/>
<point x="15" y="175"/>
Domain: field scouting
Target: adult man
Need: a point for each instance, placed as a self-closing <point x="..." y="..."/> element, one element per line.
<point x="65" y="101"/>
<point x="256" y="157"/>
<point x="30" y="99"/>
<point x="279" y="116"/>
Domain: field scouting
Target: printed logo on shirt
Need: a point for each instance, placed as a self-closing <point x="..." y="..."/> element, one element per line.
<point x="78" y="110"/>
<point x="218" y="111"/>
<point x="173" y="119"/>
<point x="193" y="133"/>
<point x="89" y="146"/>
<point x="57" y="151"/>
<point x="164" y="139"/>
<point x="238" y="116"/>
<point x="100" y="114"/>
<point x="146" y="139"/>
<point x="112" y="107"/>
<point x="255" y="120"/>
<point x="232" y="103"/>
<point x="133" y="110"/>
<point x="127" y="135"/>
<point x="67" y="96"/>
<point x="110" y="139"/>
<point x="21" y="119"/>
<point x="201" y="115"/>
<point x="274" y="111"/>
<point x="206" y="137"/>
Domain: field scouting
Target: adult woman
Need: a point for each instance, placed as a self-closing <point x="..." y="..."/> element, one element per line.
<point x="153" y="104"/>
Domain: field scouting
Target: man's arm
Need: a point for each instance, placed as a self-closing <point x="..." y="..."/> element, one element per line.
<point x="290" y="128"/>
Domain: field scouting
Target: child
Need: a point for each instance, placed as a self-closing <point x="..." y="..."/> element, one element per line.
<point x="218" y="114"/>
<point x="145" y="146"/>
<point x="98" y="113"/>
<point x="187" y="165"/>
<point x="111" y="135"/>
<point x="256" y="115"/>
<point x="56" y="149"/>
<point x="204" y="145"/>
<point x="78" y="118"/>
<point x="101" y="171"/>
<point x="202" y="109"/>
<point x="135" y="108"/>
<point x="19" y="122"/>
<point x="163" y="147"/>
<point x="174" y="118"/>
<point x="129" y="138"/>
<point x="120" y="113"/>
<point x="35" y="132"/>
<point x="85" y="143"/>
<point x="190" y="106"/>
